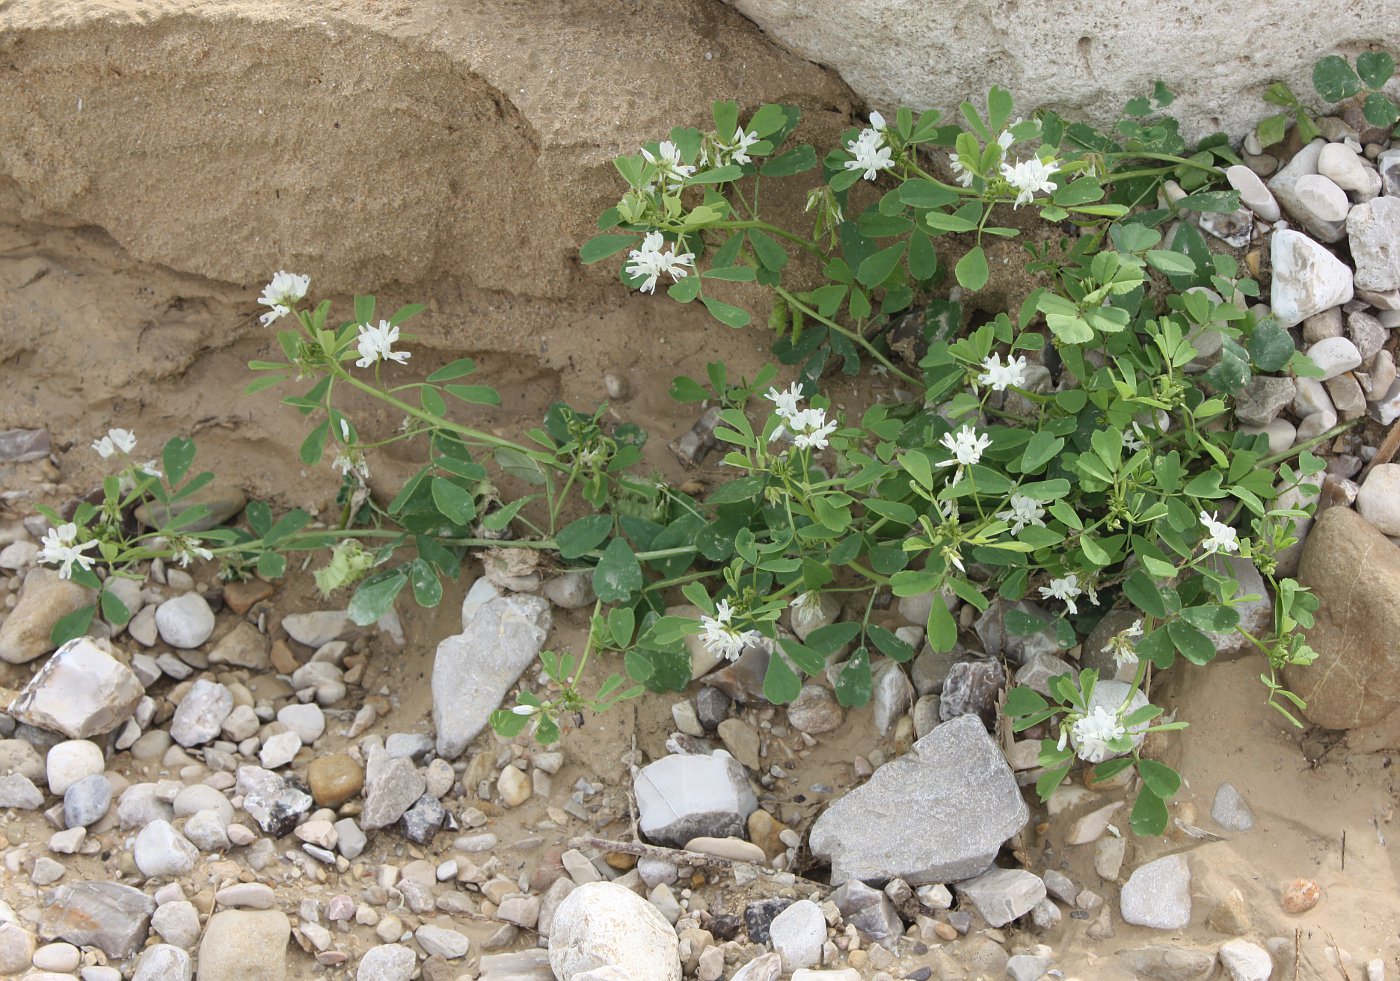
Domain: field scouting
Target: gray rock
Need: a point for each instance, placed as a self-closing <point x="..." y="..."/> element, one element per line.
<point x="316" y="628"/>
<point x="1158" y="894"/>
<point x="1334" y="356"/>
<point x="1374" y="236"/>
<point x="160" y="850"/>
<point x="307" y="721"/>
<point x="972" y="688"/>
<point x="1284" y="184"/>
<point x="245" y="945"/>
<point x="1263" y="398"/>
<point x="390" y="792"/>
<point x="893" y="695"/>
<point x="1230" y="810"/>
<point x="18" y="756"/>
<point x="388" y="962"/>
<point x="1367" y="333"/>
<point x="441" y="942"/>
<point x="201" y="797"/>
<point x="207" y="831"/>
<point x="423" y="820"/>
<point x="81" y="691"/>
<point x="18" y="791"/>
<point x="24" y="446"/>
<point x="87" y="801"/>
<point x="997" y="640"/>
<point x="243" y="647"/>
<point x="1173" y="963"/>
<point x="570" y="590"/>
<point x="185" y="621"/>
<point x="797" y="935"/>
<point x="473" y="670"/>
<point x="44" y="599"/>
<point x="201" y="713"/>
<point x="1307" y="278"/>
<point x="601" y="924"/>
<point x="1320" y="206"/>
<point x="223" y="501"/>
<point x="1378" y="500"/>
<point x="1028" y="967"/>
<point x="766" y="967"/>
<point x="16" y="949"/>
<point x="870" y="911"/>
<point x="1036" y="673"/>
<point x="930" y="669"/>
<point x="955" y="779"/>
<point x="712" y="707"/>
<point x="106" y="915"/>
<point x="814" y="711"/>
<point x="684" y="797"/>
<point x="268" y="800"/>
<point x="1002" y="895"/>
<point x="163" y="962"/>
<point x="1256" y="615"/>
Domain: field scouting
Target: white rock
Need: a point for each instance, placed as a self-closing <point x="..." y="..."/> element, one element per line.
<point x="307" y="721"/>
<point x="185" y="621"/>
<point x="80" y="691"/>
<point x="798" y="933"/>
<point x="200" y="715"/>
<point x="71" y="761"/>
<point x="1158" y="894"/>
<point x="1378" y="501"/>
<point x="1334" y="356"/>
<point x="684" y="797"/>
<point x="177" y="923"/>
<point x="163" y="962"/>
<point x="316" y="628"/>
<point x="207" y="831"/>
<point x="603" y="924"/>
<point x="1342" y="165"/>
<point x="279" y="750"/>
<point x="390" y="962"/>
<point x="161" y="850"/>
<point x="1246" y="961"/>
<point x="1307" y="278"/>
<point x="1253" y="194"/>
<point x="436" y="940"/>
<point x="1374" y="237"/>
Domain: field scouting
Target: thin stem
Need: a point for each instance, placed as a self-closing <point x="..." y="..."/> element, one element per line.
<point x="850" y="335"/>
<point x="1288" y="454"/>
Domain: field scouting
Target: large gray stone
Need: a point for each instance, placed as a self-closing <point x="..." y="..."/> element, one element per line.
<point x="388" y="962"/>
<point x="955" y="780"/>
<point x="1170" y="962"/>
<point x="1158" y="894"/>
<point x="163" y="962"/>
<point x="681" y="797"/>
<point x="390" y="792"/>
<point x="107" y="915"/>
<point x="245" y="945"/>
<point x="601" y="924"/>
<point x="201" y="713"/>
<point x="869" y="911"/>
<point x="81" y="691"/>
<point x="44" y="599"/>
<point x="473" y="670"/>
<point x="1001" y="895"/>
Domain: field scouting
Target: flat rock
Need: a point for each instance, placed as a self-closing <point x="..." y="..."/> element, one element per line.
<point x="1307" y="278"/>
<point x="106" y="915"/>
<point x="18" y="791"/>
<point x="1002" y="895"/>
<point x="24" y="445"/>
<point x="814" y="711"/>
<point x="44" y="599"/>
<point x="222" y="500"/>
<point x="245" y="945"/>
<point x="1158" y="894"/>
<point x="681" y="797"/>
<point x="391" y="792"/>
<point x="1170" y="963"/>
<point x="163" y="962"/>
<point x="200" y="716"/>
<point x="1230" y="811"/>
<point x="601" y="924"/>
<point x="1354" y="571"/>
<point x="388" y="962"/>
<point x="185" y="621"/>
<point x="1373" y="231"/>
<point x="955" y="779"/>
<point x="243" y="647"/>
<point x="473" y="670"/>
<point x="870" y="911"/>
<point x="1263" y="398"/>
<point x="1246" y="961"/>
<point x="81" y="691"/>
<point x="315" y="628"/>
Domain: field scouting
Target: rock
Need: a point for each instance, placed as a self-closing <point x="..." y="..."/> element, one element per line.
<point x="1342" y="165"/>
<point x="1378" y="501"/>
<point x="1307" y="278"/>
<point x="17" y="756"/>
<point x="741" y="739"/>
<point x="1158" y="894"/>
<point x="1263" y="398"/>
<point x="814" y="614"/>
<point x="758" y="917"/>
<point x="767" y="832"/>
<point x="473" y="670"/>
<point x="1373" y="231"/>
<point x="268" y="800"/>
<point x="870" y="911"/>
<point x="441" y="942"/>
<point x="1367" y="333"/>
<point x="334" y="779"/>
<point x="240" y="596"/>
<point x="1256" y="615"/>
<point x="16" y="949"/>
<point x="1354" y="570"/>
<point x="973" y="689"/>
<point x="1018" y="647"/>
<point x="1002" y="895"/>
<point x="70" y="761"/>
<point x="955" y="779"/>
<point x="1253" y="194"/>
<point x="81" y="691"/>
<point x="570" y="590"/>
<point x="1246" y="961"/>
<point x="1334" y="356"/>
<point x="223" y="501"/>
<point x="1320" y="206"/>
<point x="390" y="792"/>
<point x="601" y="924"/>
<point x="279" y="750"/>
<point x="712" y="707"/>
<point x="87" y="801"/>
<point x="1036" y="673"/>
<point x="814" y="711"/>
<point x="163" y="962"/>
<point x="245" y="945"/>
<point x="185" y="621"/>
<point x="388" y="962"/>
<point x="177" y="923"/>
<point x="736" y="849"/>
<point x="43" y="601"/>
<point x="243" y="647"/>
<point x="683" y="714"/>
<point x="1028" y="967"/>
<point x="513" y="786"/>
<point x="1230" y="810"/>
<point x="766" y="967"/>
<point x="201" y="713"/>
<point x="160" y="850"/>
<point x="1170" y="963"/>
<point x="317" y="628"/>
<point x="19" y="791"/>
<point x="685" y="797"/>
<point x="106" y="915"/>
<point x="893" y="696"/>
<point x="1301" y="895"/>
<point x="307" y="721"/>
<point x="24" y="445"/>
<point x="797" y="935"/>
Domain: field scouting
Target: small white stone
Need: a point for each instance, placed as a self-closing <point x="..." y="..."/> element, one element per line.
<point x="185" y="621"/>
<point x="71" y="761"/>
<point x="1334" y="355"/>
<point x="279" y="750"/>
<point x="1253" y="194"/>
<point x="161" y="850"/>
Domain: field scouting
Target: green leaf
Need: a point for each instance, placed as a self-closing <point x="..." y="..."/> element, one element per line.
<point x="1375" y="68"/>
<point x="734" y="274"/>
<point x="1082" y="191"/>
<point x="455" y="504"/>
<point x="781" y="684"/>
<point x="456" y="369"/>
<point x="618" y="575"/>
<point x="1270" y="346"/>
<point x="923" y="262"/>
<point x="1021" y="701"/>
<point x="971" y="269"/>
<point x="920" y="193"/>
<point x="1159" y="778"/>
<point x="725" y="113"/>
<point x="798" y="160"/>
<point x="769" y="118"/>
<point x="177" y="456"/>
<point x="114" y="611"/>
<point x="853" y="683"/>
<point x="475" y="394"/>
<point x="770" y="254"/>
<point x="271" y="565"/>
<point x="259" y="517"/>
<point x="1195" y="646"/>
<point x="427" y="587"/>
<point x="1379" y="110"/>
<point x="1040" y="450"/>
<point x="725" y="313"/>
<point x="1272" y="130"/>
<point x="1171" y="262"/>
<point x="685" y="291"/>
<point x="374" y="597"/>
<point x="1144" y="594"/>
<point x="433" y="403"/>
<point x="73" y="625"/>
<point x="581" y="536"/>
<point x="942" y="222"/>
<point x="364" y="309"/>
<point x="1211" y="617"/>
<point x="942" y="628"/>
<point x="311" y="448"/>
<point x="998" y="108"/>
<point x="1149" y="815"/>
<point x="1334" y="79"/>
<point x="890" y="645"/>
<point x="877" y="267"/>
<point x="717" y="175"/>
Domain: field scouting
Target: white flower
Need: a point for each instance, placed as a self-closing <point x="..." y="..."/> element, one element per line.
<point x="282" y="294"/>
<point x="963" y="174"/>
<point x="1222" y="537"/>
<point x="738" y="150"/>
<point x="352" y="461"/>
<point x="376" y="344"/>
<point x="965" y="445"/>
<point x="721" y="638"/>
<point x="810" y="429"/>
<point x="1131" y="443"/>
<point x="1063" y="589"/>
<point x="1023" y="511"/>
<point x="1029" y="178"/>
<point x="649" y="262"/>
<point x="668" y="164"/>
<point x="60" y="545"/>
<point x="1093" y="733"/>
<point x="1005" y="139"/>
<point x="877" y="121"/>
<point x="186" y="550"/>
<point x="785" y="403"/>
<point x="1001" y="376"/>
<point x="870" y="153"/>
<point x="1120" y="645"/>
<point x="806" y="607"/>
<point x="116" y="441"/>
<point x="526" y="710"/>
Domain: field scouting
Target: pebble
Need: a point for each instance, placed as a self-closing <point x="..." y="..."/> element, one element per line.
<point x="1373" y="231"/>
<point x="160" y="850"/>
<point x="307" y="721"/>
<point x="163" y="962"/>
<point x="602" y="923"/>
<point x="741" y="739"/>
<point x="177" y="923"/>
<point x="1263" y="398"/>
<point x="1230" y="810"/>
<point x="57" y="957"/>
<point x="316" y="628"/>
<point x="242" y="647"/>
<point x="684" y="797"/>
<point x="441" y="942"/>
<point x="736" y="849"/>
<point x="1158" y="894"/>
<point x="1301" y="895"/>
<point x="797" y="935"/>
<point x="1003" y="895"/>
<point x="1246" y="961"/>
<point x="44" y="599"/>
<point x="1378" y="500"/>
<point x="1253" y="194"/>
<point x="391" y="792"/>
<point x="334" y="779"/>
<point x="243" y="944"/>
<point x="200" y="716"/>
<point x="893" y="695"/>
<point x="279" y="750"/>
<point x="16" y="948"/>
<point x="18" y="791"/>
<point x="1334" y="356"/>
<point x="107" y="915"/>
<point x="814" y="711"/>
<point x="87" y="801"/>
<point x="390" y="962"/>
<point x="185" y="621"/>
<point x="513" y="786"/>
<point x="1307" y="278"/>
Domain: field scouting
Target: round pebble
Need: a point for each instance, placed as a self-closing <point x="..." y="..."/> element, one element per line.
<point x="185" y="621"/>
<point x="1378" y="501"/>
<point x="71" y="761"/>
<point x="1301" y="895"/>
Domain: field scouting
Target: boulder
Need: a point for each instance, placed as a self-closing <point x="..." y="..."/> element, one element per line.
<point x="602" y="924"/>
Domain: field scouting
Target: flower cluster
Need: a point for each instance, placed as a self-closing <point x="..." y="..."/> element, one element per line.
<point x="1000" y="376"/>
<point x="649" y="262"/>
<point x="121" y="441"/>
<point x="60" y="546"/>
<point x="1023" y="511"/>
<point x="670" y="171"/>
<point x="1222" y="537"/>
<point x="809" y="427"/>
<point x="870" y="151"/>
<point x="283" y="293"/>
<point x="1029" y="178"/>
<point x="1122" y="645"/>
<point x="377" y="344"/>
<point x="722" y="637"/>
<point x="735" y="151"/>
<point x="1066" y="590"/>
<point x="1093" y="733"/>
<point x="967" y="447"/>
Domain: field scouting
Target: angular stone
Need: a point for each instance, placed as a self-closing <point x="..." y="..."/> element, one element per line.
<point x="1256" y="615"/>
<point x="222" y="500"/>
<point x="1002" y="895"/>
<point x="81" y="691"/>
<point x="1354" y="571"/>
<point x="163" y="962"/>
<point x="869" y="911"/>
<point x="423" y="820"/>
<point x="1246" y="961"/>
<point x="44" y="599"/>
<point x="1373" y="231"/>
<point x="972" y="688"/>
<point x="1307" y="278"/>
<point x="814" y="711"/>
<point x="268" y="800"/>
<point x="24" y="446"/>
<point x="245" y="945"/>
<point x="473" y="670"/>
<point x="1170" y="963"/>
<point x="601" y="924"/>
<point x="18" y="791"/>
<point x="797" y="935"/>
<point x="391" y="792"/>
<point x="1230" y="810"/>
<point x="1158" y="894"/>
<point x="243" y="647"/>
<point x="955" y="779"/>
<point x="893" y="695"/>
<point x="441" y="942"/>
<point x="684" y="797"/>
<point x="106" y="915"/>
<point x="160" y="850"/>
<point x="1263" y="398"/>
<point x="201" y="713"/>
<point x="16" y="949"/>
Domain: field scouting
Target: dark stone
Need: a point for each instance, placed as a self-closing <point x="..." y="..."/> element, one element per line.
<point x="423" y="820"/>
<point x="758" y="917"/>
<point x="972" y="688"/>
<point x="712" y="707"/>
<point x="725" y="926"/>
<point x="922" y="974"/>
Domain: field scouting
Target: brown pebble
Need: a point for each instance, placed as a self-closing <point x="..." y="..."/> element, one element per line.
<point x="945" y="931"/>
<point x="283" y="659"/>
<point x="1301" y="895"/>
<point x="240" y="596"/>
<point x="334" y="779"/>
<point x="621" y="861"/>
